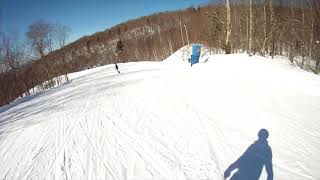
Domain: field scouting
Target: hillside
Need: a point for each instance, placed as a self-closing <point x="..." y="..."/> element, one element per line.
<point x="292" y="32"/>
<point x="165" y="120"/>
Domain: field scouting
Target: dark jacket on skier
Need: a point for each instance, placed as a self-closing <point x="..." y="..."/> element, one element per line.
<point x="117" y="68"/>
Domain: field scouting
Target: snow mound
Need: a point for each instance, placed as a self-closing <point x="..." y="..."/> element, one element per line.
<point x="183" y="54"/>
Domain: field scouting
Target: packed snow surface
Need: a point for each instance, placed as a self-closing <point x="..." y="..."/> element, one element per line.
<point x="165" y="120"/>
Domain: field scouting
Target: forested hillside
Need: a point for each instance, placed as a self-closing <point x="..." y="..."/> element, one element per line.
<point x="267" y="28"/>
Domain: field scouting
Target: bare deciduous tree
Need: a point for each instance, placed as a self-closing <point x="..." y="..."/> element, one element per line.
<point x="14" y="56"/>
<point x="251" y="21"/>
<point x="2" y="54"/>
<point x="181" y="32"/>
<point x="61" y="34"/>
<point x="316" y="33"/>
<point x="264" y="47"/>
<point x="13" y="51"/>
<point x="38" y="34"/>
<point x="228" y="28"/>
<point x="272" y="28"/>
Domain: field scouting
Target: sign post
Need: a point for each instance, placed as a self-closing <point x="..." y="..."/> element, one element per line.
<point x="196" y="49"/>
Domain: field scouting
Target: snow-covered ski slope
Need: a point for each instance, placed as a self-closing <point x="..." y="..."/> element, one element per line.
<point x="165" y="120"/>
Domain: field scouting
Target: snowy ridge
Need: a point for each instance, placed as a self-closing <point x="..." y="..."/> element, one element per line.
<point x="165" y="120"/>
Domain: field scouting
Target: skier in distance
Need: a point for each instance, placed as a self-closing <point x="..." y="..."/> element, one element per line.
<point x="117" y="68"/>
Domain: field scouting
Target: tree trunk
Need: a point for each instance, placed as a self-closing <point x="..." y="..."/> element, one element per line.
<point x="311" y="38"/>
<point x="251" y="29"/>
<point x="248" y="34"/>
<point x="272" y="30"/>
<point x="185" y="28"/>
<point x="227" y="45"/>
<point x="170" y="44"/>
<point x="181" y="33"/>
<point x="292" y="34"/>
<point x="264" y="49"/>
<point x="303" y="48"/>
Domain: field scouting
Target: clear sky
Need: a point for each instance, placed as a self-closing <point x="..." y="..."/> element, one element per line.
<point x="85" y="17"/>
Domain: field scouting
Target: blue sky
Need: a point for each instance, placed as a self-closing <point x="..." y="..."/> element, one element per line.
<point x="85" y="17"/>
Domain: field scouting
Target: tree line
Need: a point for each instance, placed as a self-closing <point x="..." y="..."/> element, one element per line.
<point x="262" y="27"/>
<point x="270" y="28"/>
<point x="21" y="64"/>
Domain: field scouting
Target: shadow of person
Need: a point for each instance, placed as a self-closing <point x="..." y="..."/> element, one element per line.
<point x="250" y="164"/>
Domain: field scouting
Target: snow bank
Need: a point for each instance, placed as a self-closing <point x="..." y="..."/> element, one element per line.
<point x="182" y="55"/>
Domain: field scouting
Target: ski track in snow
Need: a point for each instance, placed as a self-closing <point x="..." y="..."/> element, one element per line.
<point x="165" y="120"/>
